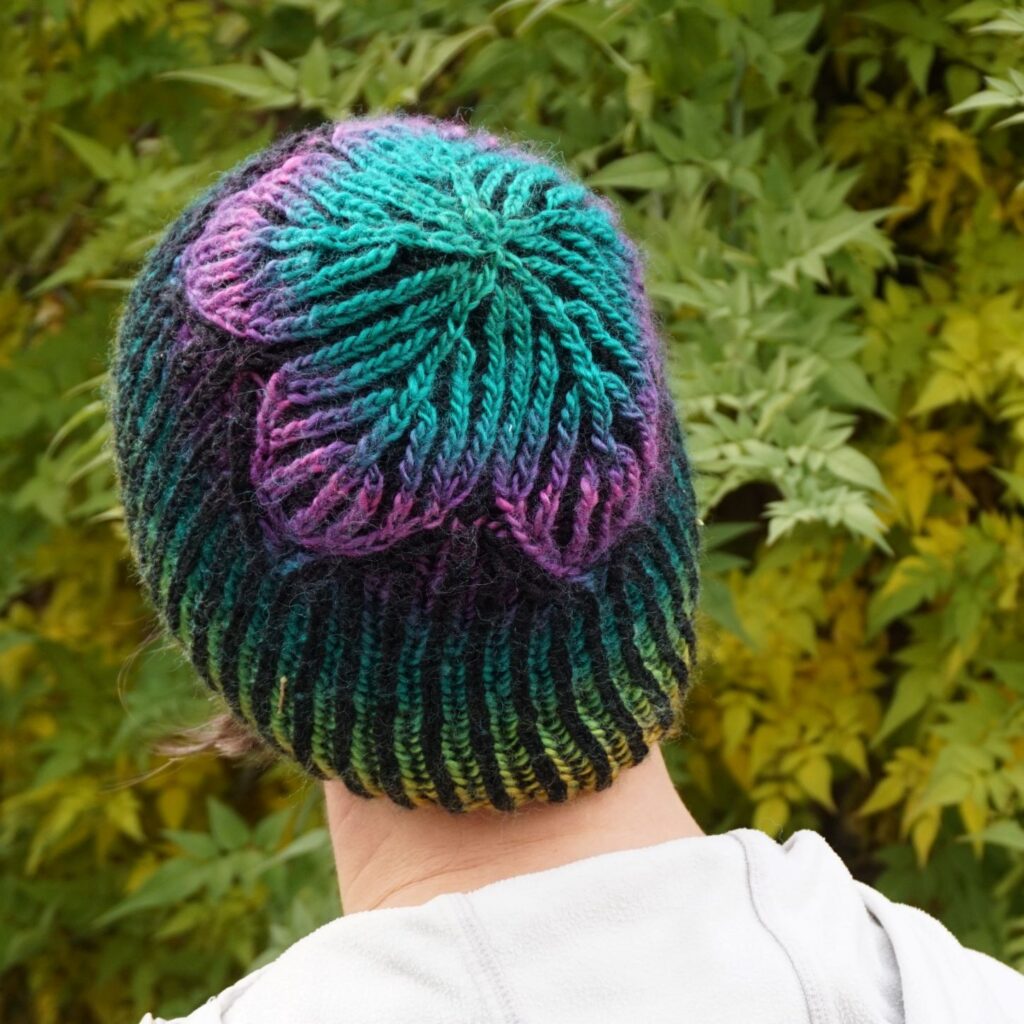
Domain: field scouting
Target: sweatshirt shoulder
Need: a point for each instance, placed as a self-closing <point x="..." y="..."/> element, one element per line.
<point x="942" y="979"/>
<point x="841" y="931"/>
<point x="210" y="1012"/>
<point x="393" y="966"/>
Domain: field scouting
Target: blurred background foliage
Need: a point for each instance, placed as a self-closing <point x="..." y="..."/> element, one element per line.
<point x="829" y="195"/>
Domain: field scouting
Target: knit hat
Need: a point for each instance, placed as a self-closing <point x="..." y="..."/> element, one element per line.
<point x="400" y="470"/>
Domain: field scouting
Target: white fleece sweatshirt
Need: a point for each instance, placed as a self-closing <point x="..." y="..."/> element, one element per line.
<point x="729" y="929"/>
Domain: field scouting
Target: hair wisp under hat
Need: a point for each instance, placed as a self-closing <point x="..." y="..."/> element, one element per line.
<point x="400" y="469"/>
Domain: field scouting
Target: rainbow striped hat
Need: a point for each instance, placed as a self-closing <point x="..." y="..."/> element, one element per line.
<point x="400" y="470"/>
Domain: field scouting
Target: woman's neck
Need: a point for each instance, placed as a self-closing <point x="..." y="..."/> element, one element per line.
<point x="387" y="856"/>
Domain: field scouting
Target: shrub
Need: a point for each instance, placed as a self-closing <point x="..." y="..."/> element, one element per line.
<point x="835" y="239"/>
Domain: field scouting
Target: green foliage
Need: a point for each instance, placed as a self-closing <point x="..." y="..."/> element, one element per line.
<point x="1002" y="94"/>
<point x="835" y="241"/>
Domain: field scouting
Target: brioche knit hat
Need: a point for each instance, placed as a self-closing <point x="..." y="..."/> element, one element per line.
<point x="400" y="470"/>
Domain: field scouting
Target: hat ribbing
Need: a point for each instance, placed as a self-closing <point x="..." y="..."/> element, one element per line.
<point x="400" y="469"/>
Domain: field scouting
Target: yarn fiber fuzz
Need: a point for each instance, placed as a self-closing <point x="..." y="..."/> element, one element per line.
<point x="400" y="470"/>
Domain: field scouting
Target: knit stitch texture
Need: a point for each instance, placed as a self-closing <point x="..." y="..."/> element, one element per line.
<point x="400" y="470"/>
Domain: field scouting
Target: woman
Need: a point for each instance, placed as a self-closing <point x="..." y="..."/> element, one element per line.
<point x="401" y="472"/>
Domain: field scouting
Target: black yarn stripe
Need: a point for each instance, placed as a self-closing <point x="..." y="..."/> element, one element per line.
<point x="164" y="378"/>
<point x="607" y="690"/>
<point x="682" y="526"/>
<point x="211" y="593"/>
<point x="186" y="495"/>
<point x="480" y="736"/>
<point x="656" y="621"/>
<point x="183" y="493"/>
<point x="205" y="443"/>
<point x="430" y="731"/>
<point x="544" y="767"/>
<point x="238" y="444"/>
<point x="143" y="496"/>
<point x="560" y="661"/>
<point x="180" y="498"/>
<point x="266" y="676"/>
<point x="676" y="550"/>
<point x="324" y="684"/>
<point x="662" y="562"/>
<point x="344" y="705"/>
<point x="188" y="557"/>
<point x="131" y="392"/>
<point x="663" y="565"/>
<point x="385" y="699"/>
<point x="134" y="328"/>
<point x="231" y="643"/>
<point x="128" y="410"/>
<point x="307" y="678"/>
<point x="623" y="617"/>
<point x="523" y="778"/>
<point x="166" y="414"/>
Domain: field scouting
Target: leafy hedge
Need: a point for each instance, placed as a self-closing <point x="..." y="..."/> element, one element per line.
<point x="836" y="244"/>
